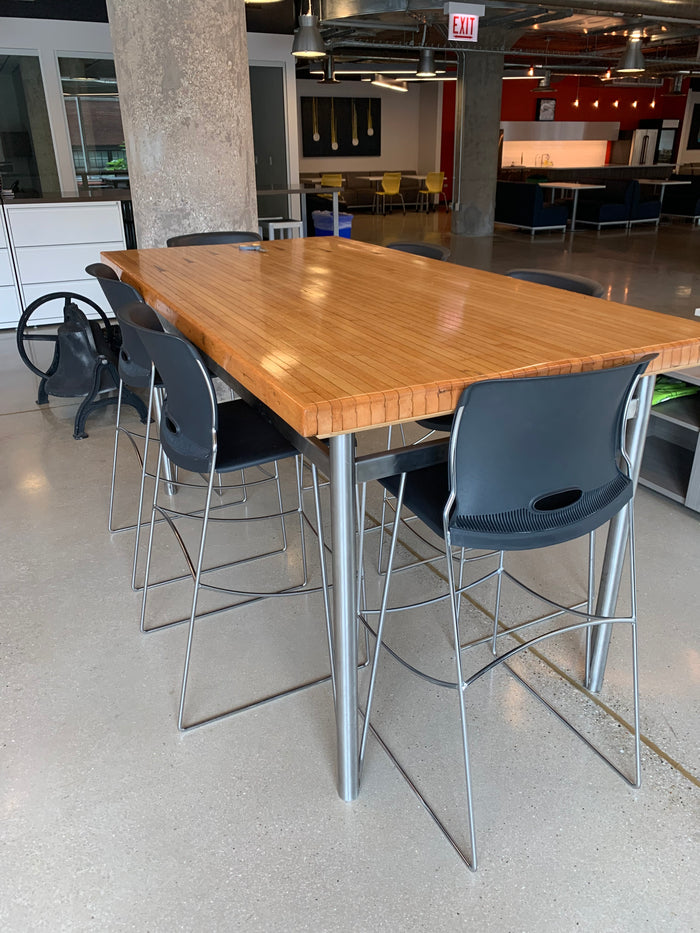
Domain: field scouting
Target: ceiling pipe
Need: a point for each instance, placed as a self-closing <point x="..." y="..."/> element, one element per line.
<point x="605" y="58"/>
<point x="688" y="10"/>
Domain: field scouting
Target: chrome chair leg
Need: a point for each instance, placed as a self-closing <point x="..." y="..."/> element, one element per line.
<point x="114" y="458"/>
<point x="198" y="571"/>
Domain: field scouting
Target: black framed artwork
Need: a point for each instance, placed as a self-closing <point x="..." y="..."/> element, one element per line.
<point x="341" y="126"/>
<point x="545" y="108"/>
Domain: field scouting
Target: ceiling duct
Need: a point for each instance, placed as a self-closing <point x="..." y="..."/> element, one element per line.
<point x="688" y="10"/>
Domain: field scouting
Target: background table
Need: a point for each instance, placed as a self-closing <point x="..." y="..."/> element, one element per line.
<point x="309" y="328"/>
<point x="303" y="192"/>
<point x="662" y="183"/>
<point x="574" y="186"/>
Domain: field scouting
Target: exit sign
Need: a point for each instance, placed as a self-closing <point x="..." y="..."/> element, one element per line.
<point x="463" y="21"/>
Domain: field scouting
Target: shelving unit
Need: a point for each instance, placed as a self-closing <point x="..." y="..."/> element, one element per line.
<point x="671" y="463"/>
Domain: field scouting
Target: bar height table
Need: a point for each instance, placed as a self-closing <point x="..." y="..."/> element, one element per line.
<point x="303" y="329"/>
<point x="303" y="193"/>
<point x="662" y="183"/>
<point x="574" y="186"/>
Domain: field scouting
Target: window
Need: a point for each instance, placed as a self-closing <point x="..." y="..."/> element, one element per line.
<point x="94" y="121"/>
<point x="27" y="161"/>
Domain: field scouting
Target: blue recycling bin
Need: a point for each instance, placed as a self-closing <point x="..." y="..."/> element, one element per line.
<point x="323" y="223"/>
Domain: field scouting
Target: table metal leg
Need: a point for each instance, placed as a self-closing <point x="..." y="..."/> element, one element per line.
<point x="304" y="220"/>
<point x="336" y="218"/>
<point x="342" y="452"/>
<point x="615" y="545"/>
<point x="573" y="210"/>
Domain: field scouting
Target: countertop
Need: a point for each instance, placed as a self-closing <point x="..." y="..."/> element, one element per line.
<point x="101" y="194"/>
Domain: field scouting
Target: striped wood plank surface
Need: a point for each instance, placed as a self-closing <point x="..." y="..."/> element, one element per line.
<point x="337" y="335"/>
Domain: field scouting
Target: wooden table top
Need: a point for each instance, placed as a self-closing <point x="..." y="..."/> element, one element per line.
<point x="337" y="335"/>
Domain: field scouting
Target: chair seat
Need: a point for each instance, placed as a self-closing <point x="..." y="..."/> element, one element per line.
<point x="526" y="528"/>
<point x="246" y="439"/>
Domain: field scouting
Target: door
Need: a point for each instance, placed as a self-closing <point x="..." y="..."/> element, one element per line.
<point x="269" y="137"/>
<point x="643" y="147"/>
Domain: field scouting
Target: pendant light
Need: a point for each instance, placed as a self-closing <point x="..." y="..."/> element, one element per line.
<point x="308" y="42"/>
<point x="426" y="65"/>
<point x="632" y="61"/>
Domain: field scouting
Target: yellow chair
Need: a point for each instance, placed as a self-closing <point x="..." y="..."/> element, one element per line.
<point x="433" y="185"/>
<point x="391" y="183"/>
<point x="331" y="180"/>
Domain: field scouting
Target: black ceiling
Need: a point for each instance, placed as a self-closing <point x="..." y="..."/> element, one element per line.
<point x="89" y="11"/>
<point x="258" y="18"/>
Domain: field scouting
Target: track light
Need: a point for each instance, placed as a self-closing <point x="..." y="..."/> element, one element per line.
<point x="381" y="81"/>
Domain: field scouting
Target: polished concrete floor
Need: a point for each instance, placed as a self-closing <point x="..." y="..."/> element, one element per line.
<point x="112" y="820"/>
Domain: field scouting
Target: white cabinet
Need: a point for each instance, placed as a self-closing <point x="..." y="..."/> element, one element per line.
<point x="9" y="305"/>
<point x="51" y="244"/>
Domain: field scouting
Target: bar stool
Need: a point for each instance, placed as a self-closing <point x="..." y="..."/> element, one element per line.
<point x="287" y="229"/>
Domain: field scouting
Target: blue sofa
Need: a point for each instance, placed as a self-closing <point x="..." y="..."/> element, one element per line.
<point x="520" y="204"/>
<point x="684" y="201"/>
<point x="645" y="208"/>
<point x="607" y="206"/>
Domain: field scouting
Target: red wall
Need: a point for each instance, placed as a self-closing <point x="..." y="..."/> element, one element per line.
<point x="518" y="103"/>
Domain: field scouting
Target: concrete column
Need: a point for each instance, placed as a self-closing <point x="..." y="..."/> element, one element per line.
<point x="182" y="72"/>
<point x="477" y="123"/>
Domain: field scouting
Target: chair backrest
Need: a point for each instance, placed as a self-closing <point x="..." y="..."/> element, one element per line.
<point x="189" y="417"/>
<point x="134" y="362"/>
<point x="391" y="182"/>
<point x="434" y="182"/>
<point x="332" y="180"/>
<point x="565" y="280"/>
<point x="541" y="452"/>
<point x="212" y="238"/>
<point x="429" y="250"/>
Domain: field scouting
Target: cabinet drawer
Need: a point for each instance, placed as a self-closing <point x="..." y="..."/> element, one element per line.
<point x="9" y="307"/>
<point x="5" y="268"/>
<point x="56" y="264"/>
<point x="52" y="312"/>
<point x="41" y="224"/>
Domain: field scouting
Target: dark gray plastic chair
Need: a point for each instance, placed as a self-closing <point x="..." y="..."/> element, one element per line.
<point x="429" y="250"/>
<point x="213" y="238"/>
<point x="202" y="436"/>
<point x="523" y="473"/>
<point x="565" y="280"/>
<point x="134" y="368"/>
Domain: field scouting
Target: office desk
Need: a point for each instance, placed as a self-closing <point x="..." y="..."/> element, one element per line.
<point x="309" y="327"/>
<point x="303" y="192"/>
